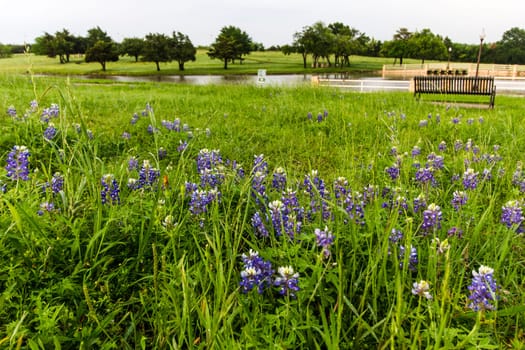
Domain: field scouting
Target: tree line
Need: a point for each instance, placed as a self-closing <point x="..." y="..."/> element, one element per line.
<point x="319" y="41"/>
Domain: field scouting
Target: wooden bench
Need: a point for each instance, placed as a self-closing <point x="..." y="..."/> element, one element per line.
<point x="456" y="85"/>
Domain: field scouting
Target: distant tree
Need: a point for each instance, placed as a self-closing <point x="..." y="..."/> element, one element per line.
<point x="100" y="47"/>
<point x="102" y="52"/>
<point x="156" y="49"/>
<point x="232" y="43"/>
<point x="95" y="35"/>
<point x="182" y="49"/>
<point x="427" y="45"/>
<point x="5" y="51"/>
<point x="399" y="47"/>
<point x="323" y="43"/>
<point x="132" y="47"/>
<point x="45" y="45"/>
<point x="304" y="42"/>
<point x="511" y="48"/>
<point x="64" y="45"/>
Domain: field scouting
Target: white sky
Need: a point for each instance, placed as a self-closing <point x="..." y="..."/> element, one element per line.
<point x="272" y="22"/>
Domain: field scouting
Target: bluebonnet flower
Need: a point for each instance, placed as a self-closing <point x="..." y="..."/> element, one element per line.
<point x="148" y="175"/>
<point x="416" y="150"/>
<point x="309" y="115"/>
<point x="393" y="151"/>
<point x="425" y="175"/>
<point x="419" y="203"/>
<point x="395" y="236"/>
<point x="279" y="179"/>
<point x="315" y="187"/>
<point x="324" y="239"/>
<point x="455" y="231"/>
<point x="46" y="207"/>
<point x="483" y="289"/>
<point x="147" y="110"/>
<point x="412" y="259"/>
<point x="162" y="153"/>
<point x="423" y="123"/>
<point x="50" y="132"/>
<point x="151" y="129"/>
<point x="470" y="179"/>
<point x="133" y="163"/>
<point x="354" y="205"/>
<point x="458" y="145"/>
<point x="256" y="273"/>
<point x="33" y="105"/>
<point x="57" y="183"/>
<point x="110" y="188"/>
<point x="134" y="118"/>
<point x="432" y="217"/>
<point x="18" y="163"/>
<point x="512" y="215"/>
<point x="52" y="112"/>
<point x="89" y="134"/>
<point x="459" y="199"/>
<point x="421" y="289"/>
<point x="126" y="135"/>
<point x="340" y="189"/>
<point x="287" y="281"/>
<point x="319" y="117"/>
<point x="201" y="199"/>
<point x="259" y="171"/>
<point x="210" y="168"/>
<point x="182" y="145"/>
<point x="455" y="120"/>
<point x="442" y="146"/>
<point x="276" y="214"/>
<point x="393" y="171"/>
<point x="258" y="224"/>
<point x="11" y="111"/>
<point x="435" y="161"/>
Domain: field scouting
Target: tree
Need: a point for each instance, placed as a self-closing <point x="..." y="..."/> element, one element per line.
<point x="427" y="45"/>
<point x="102" y="52"/>
<point x="399" y="47"/>
<point x="100" y="48"/>
<point x="132" y="47"/>
<point x="64" y="45"/>
<point x="45" y="45"/>
<point x="303" y="44"/>
<point x="511" y="48"/>
<point x="156" y="49"/>
<point x="182" y="49"/>
<point x="231" y="44"/>
<point x="5" y="51"/>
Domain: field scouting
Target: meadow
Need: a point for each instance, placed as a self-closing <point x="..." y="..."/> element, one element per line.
<point x="164" y="216"/>
<point x="273" y="61"/>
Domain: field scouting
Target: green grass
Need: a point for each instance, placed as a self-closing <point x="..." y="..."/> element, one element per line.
<point x="153" y="272"/>
<point x="273" y="62"/>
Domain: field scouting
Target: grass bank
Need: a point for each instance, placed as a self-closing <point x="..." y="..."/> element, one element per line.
<point x="155" y="215"/>
<point x="273" y="62"/>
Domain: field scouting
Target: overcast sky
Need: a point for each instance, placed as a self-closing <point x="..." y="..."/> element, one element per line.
<point x="271" y="22"/>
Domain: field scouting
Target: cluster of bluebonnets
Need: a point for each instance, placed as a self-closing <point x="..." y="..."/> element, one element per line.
<point x="282" y="208"/>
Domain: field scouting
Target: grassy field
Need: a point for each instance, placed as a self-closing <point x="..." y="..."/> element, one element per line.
<point x="157" y="215"/>
<point x="273" y="62"/>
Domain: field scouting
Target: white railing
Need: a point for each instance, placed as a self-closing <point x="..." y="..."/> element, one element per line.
<point x="363" y="85"/>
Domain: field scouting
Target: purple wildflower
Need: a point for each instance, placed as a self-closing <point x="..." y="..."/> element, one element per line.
<point x="512" y="215"/>
<point x="18" y="163"/>
<point x="50" y="132"/>
<point x="432" y="217"/>
<point x="421" y="289"/>
<point x="459" y="199"/>
<point x="109" y="187"/>
<point x="287" y="281"/>
<point x="11" y="111"/>
<point x="470" y="179"/>
<point x="259" y="226"/>
<point x="455" y="231"/>
<point x="257" y="273"/>
<point x="483" y="289"/>
<point x="412" y="259"/>
<point x="46" y="207"/>
<point x="279" y="179"/>
<point x="324" y="239"/>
